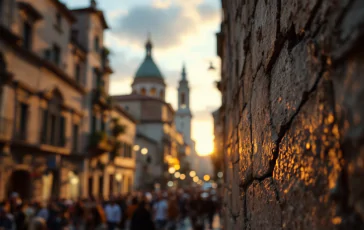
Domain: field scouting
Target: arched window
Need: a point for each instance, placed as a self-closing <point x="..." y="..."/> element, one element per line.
<point x="143" y="91"/>
<point x="161" y="94"/>
<point x="183" y="100"/>
<point x="54" y="123"/>
<point x="153" y="91"/>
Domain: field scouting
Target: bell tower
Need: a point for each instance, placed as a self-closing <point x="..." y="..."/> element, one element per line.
<point x="183" y="115"/>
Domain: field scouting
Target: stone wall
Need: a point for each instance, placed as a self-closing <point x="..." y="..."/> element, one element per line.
<point x="293" y="113"/>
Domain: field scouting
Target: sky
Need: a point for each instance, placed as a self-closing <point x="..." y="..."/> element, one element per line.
<point x="182" y="31"/>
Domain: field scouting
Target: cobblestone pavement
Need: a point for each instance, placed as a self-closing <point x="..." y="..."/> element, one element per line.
<point x="215" y="226"/>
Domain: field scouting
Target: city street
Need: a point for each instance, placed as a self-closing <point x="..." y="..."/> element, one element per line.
<point x="216" y="224"/>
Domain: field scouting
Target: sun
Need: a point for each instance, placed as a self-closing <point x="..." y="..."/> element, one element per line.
<point x="204" y="146"/>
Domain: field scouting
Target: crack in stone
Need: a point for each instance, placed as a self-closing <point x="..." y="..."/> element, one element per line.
<point x="313" y="14"/>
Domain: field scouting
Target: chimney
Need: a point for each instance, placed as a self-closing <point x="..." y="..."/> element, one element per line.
<point x="93" y="4"/>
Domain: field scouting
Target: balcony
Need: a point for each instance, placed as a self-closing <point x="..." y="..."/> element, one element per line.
<point x="5" y="128"/>
<point x="101" y="97"/>
<point x="100" y="143"/>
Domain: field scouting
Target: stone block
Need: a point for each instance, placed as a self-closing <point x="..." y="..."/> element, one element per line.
<point x="247" y="79"/>
<point x="264" y="30"/>
<point x="245" y="147"/>
<point x="348" y="83"/>
<point x="309" y="164"/>
<point x="263" y="209"/>
<point x="297" y="13"/>
<point x="293" y="75"/>
<point x="236" y="204"/>
<point x="263" y="138"/>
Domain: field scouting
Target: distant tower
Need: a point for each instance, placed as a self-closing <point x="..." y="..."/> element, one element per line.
<point x="148" y="80"/>
<point x="183" y="115"/>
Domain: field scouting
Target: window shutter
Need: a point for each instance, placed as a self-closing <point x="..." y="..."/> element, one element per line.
<point x="63" y="131"/>
<point x="44" y="127"/>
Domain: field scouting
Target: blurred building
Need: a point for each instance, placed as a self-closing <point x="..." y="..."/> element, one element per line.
<point x="159" y="144"/>
<point x="217" y="156"/>
<point x="57" y="122"/>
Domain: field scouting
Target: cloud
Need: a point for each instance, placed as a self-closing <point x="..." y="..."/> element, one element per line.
<point x="208" y="12"/>
<point x="169" y="22"/>
<point x="162" y="3"/>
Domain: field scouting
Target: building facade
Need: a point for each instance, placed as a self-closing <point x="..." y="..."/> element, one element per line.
<point x="157" y="134"/>
<point x="54" y="75"/>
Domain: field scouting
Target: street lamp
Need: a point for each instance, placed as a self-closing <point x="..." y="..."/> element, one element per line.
<point x="118" y="177"/>
<point x="206" y="178"/>
<point x="182" y="177"/>
<point x="144" y="151"/>
<point x="171" y="170"/>
<point x="177" y="175"/>
<point x="136" y="147"/>
<point x="195" y="179"/>
<point x="192" y="174"/>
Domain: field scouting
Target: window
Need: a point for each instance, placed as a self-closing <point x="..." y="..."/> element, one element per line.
<point x="78" y="73"/>
<point x="183" y="99"/>
<point x="97" y="44"/>
<point x="58" y="20"/>
<point x="62" y="132"/>
<point x="153" y="92"/>
<point x="22" y="121"/>
<point x="47" y="54"/>
<point x="103" y="125"/>
<point x="161" y="94"/>
<point x="1" y="8"/>
<point x="97" y="79"/>
<point x="56" y="54"/>
<point x="93" y="124"/>
<point x="54" y="124"/>
<point x="27" y="35"/>
<point x="90" y="186"/>
<point x="75" y="129"/>
<point x="111" y="184"/>
<point x="101" y="186"/>
<point x="143" y="91"/>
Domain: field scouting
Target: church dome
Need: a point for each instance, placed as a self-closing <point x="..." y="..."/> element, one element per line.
<point x="148" y="69"/>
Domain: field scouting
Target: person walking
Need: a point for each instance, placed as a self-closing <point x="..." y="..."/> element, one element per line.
<point x="160" y="212"/>
<point x="130" y="211"/>
<point x="5" y="222"/>
<point x="142" y="219"/>
<point x="172" y="212"/>
<point x="113" y="215"/>
<point x="197" y="212"/>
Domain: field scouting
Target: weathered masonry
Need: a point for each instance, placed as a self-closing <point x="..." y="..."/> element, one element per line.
<point x="292" y="81"/>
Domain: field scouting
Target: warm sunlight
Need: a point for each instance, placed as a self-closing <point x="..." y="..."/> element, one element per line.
<point x="203" y="134"/>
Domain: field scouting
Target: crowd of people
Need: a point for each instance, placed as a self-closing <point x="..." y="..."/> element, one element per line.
<point x="163" y="210"/>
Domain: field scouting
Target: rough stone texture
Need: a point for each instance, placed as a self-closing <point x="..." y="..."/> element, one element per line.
<point x="262" y="136"/>
<point x="264" y="30"/>
<point x="293" y="108"/>
<point x="263" y="210"/>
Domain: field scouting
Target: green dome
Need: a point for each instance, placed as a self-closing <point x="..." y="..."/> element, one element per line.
<point x="148" y="68"/>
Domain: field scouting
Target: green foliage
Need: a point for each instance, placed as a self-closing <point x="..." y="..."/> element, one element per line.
<point x="117" y="129"/>
<point x="97" y="137"/>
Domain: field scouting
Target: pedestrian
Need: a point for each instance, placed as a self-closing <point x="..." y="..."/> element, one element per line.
<point x="210" y="210"/>
<point x="20" y="218"/>
<point x="113" y="215"/>
<point x="160" y="212"/>
<point x="197" y="212"/>
<point x="172" y="212"/>
<point x="5" y="221"/>
<point x="142" y="219"/>
<point x="130" y="211"/>
<point x="38" y="223"/>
